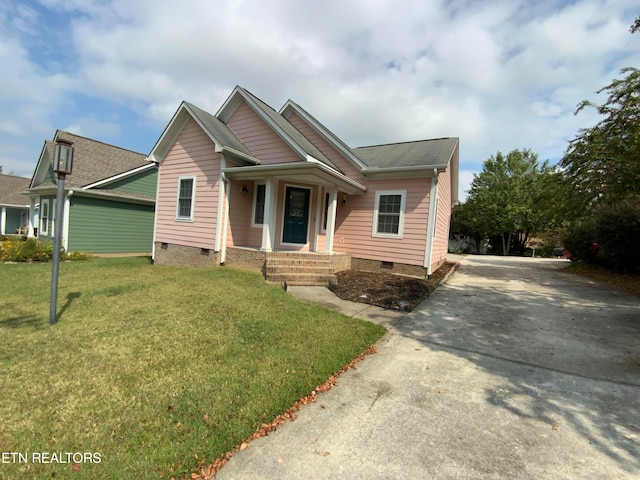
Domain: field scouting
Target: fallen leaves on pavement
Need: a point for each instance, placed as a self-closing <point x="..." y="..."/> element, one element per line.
<point x="209" y="471"/>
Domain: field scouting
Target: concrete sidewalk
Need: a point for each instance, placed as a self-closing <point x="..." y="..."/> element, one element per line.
<point x="326" y="298"/>
<point x="497" y="375"/>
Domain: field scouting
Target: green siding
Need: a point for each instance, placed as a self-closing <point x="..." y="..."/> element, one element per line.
<point x="143" y="183"/>
<point x="104" y="226"/>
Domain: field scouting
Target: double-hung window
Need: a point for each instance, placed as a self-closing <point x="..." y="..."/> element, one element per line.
<point x="186" y="198"/>
<point x="259" y="193"/>
<point x="388" y="217"/>
<point x="44" y="217"/>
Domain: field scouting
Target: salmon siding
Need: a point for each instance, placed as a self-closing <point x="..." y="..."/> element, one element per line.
<point x="192" y="155"/>
<point x="356" y="220"/>
<point x="230" y="179"/>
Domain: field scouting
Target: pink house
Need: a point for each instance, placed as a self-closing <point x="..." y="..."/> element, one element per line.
<point x="278" y="192"/>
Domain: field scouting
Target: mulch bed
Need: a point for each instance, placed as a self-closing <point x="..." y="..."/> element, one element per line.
<point x="387" y="290"/>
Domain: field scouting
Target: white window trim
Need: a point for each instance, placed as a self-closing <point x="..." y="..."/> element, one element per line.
<point x="193" y="199"/>
<point x="253" y="206"/>
<point x="403" y="204"/>
<point x="52" y="215"/>
<point x="44" y="225"/>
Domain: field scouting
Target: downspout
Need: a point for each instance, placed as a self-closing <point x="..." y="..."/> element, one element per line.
<point x="155" y="215"/>
<point x="65" y="225"/>
<point x="32" y="217"/>
<point x="431" y="222"/>
<point x="223" y="251"/>
<point x="220" y="241"/>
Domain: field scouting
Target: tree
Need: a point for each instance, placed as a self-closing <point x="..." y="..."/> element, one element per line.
<point x="510" y="198"/>
<point x="636" y="25"/>
<point x="602" y="164"/>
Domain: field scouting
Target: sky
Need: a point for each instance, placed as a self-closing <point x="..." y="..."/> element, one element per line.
<point x="500" y="75"/>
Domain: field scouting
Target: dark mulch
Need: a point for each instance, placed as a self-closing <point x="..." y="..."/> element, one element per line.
<point x="387" y="290"/>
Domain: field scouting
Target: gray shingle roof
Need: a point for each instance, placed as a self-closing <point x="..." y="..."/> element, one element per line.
<point x="428" y="153"/>
<point x="10" y="188"/>
<point x="218" y="129"/>
<point x="94" y="161"/>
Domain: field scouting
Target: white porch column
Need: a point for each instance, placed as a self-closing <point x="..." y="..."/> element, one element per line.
<point x="3" y="220"/>
<point x="32" y="217"/>
<point x="331" y="220"/>
<point x="269" y="220"/>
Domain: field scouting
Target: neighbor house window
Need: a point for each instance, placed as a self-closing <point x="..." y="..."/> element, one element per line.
<point x="186" y="196"/>
<point x="44" y="217"/>
<point x="388" y="218"/>
<point x="259" y="193"/>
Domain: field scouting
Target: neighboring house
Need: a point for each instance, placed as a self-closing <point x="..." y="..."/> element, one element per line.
<point x="109" y="198"/>
<point x="14" y="206"/>
<point x="262" y="189"/>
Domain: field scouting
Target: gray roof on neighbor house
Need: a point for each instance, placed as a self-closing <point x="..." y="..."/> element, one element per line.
<point x="218" y="129"/>
<point x="11" y="188"/>
<point x="422" y="153"/>
<point x="94" y="161"/>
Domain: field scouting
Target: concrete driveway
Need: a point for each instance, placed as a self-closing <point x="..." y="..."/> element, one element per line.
<point x="513" y="369"/>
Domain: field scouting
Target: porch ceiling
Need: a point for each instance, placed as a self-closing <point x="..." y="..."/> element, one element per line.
<point x="303" y="172"/>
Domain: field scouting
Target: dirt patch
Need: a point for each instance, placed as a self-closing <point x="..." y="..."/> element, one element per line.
<point x="388" y="290"/>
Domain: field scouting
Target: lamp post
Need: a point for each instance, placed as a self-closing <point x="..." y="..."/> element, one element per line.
<point x="62" y="163"/>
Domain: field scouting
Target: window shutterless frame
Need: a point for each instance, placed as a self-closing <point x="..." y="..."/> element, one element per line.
<point x="257" y="212"/>
<point x="44" y="217"/>
<point x="388" y="215"/>
<point x="185" y="198"/>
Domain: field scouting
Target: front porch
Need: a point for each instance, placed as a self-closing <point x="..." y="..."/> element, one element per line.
<point x="292" y="268"/>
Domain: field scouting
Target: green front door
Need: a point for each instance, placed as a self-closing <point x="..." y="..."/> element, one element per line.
<point x="296" y="215"/>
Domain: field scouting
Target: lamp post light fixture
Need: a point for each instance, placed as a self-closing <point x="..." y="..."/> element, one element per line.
<point x="62" y="164"/>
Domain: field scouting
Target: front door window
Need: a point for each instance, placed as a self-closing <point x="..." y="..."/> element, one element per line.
<point x="296" y="215"/>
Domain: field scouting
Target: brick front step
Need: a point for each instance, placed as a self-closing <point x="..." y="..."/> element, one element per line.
<point x="301" y="278"/>
<point x="321" y="269"/>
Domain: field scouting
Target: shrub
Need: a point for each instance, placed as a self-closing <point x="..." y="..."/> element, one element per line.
<point x="78" y="256"/>
<point x="609" y="238"/>
<point x="32" y="250"/>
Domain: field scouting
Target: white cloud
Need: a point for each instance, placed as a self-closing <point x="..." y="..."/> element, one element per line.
<point x="500" y="75"/>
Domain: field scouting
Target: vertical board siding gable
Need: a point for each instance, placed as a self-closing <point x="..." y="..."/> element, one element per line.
<point x="263" y="142"/>
<point x="193" y="153"/>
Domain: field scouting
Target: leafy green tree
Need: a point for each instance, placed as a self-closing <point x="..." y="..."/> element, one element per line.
<point x="510" y="198"/>
<point x="468" y="219"/>
<point x="602" y="163"/>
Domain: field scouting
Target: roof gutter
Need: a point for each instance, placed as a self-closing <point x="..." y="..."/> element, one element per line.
<point x="415" y="171"/>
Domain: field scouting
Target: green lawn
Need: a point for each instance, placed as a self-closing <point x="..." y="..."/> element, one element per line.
<point x="153" y="368"/>
<point x="628" y="282"/>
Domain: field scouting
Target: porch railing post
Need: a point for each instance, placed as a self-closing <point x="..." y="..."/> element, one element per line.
<point x="331" y="221"/>
<point x="269" y="220"/>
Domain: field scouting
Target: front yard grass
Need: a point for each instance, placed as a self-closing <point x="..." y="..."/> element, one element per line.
<point x="156" y="369"/>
